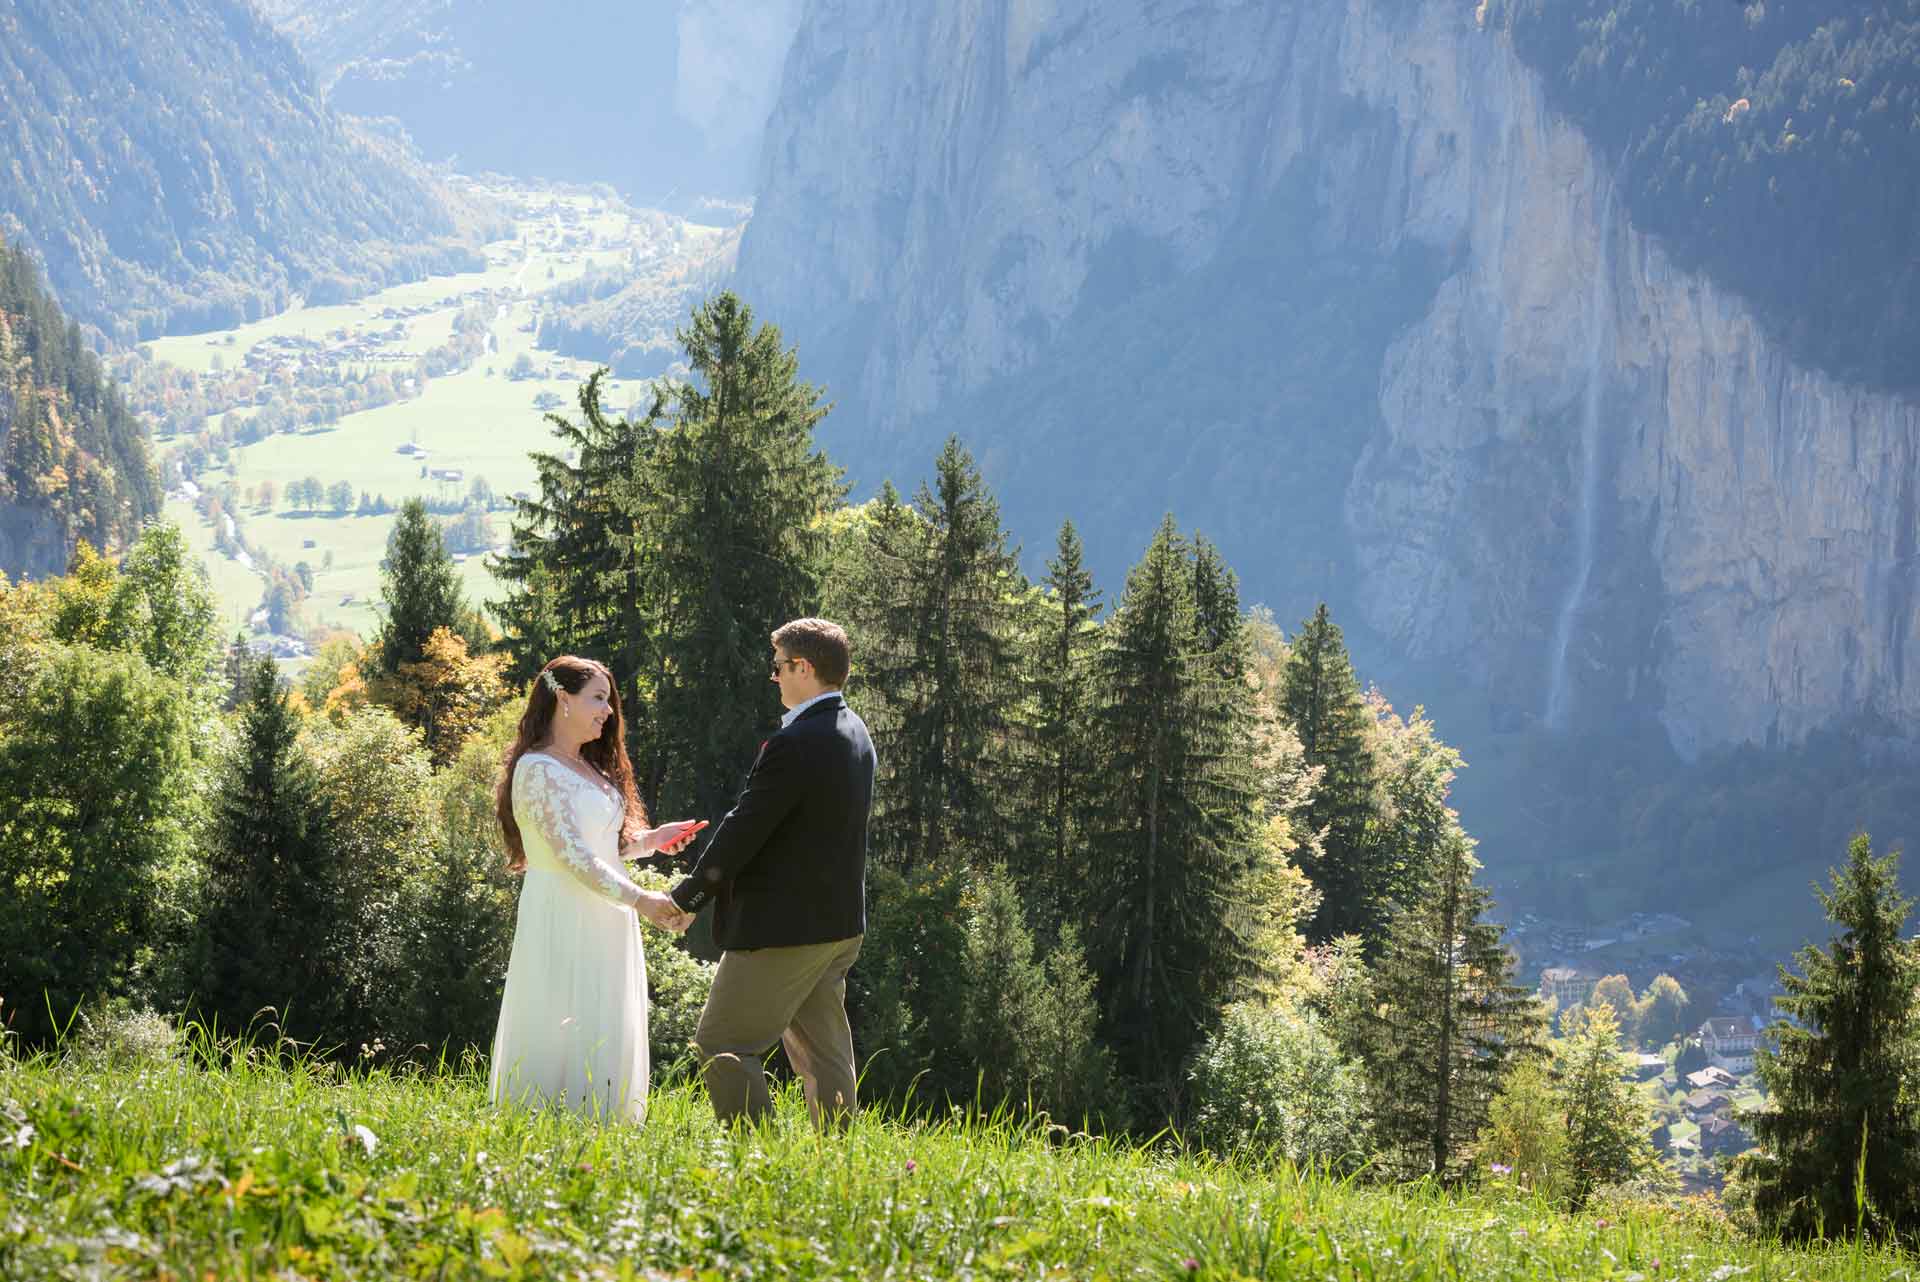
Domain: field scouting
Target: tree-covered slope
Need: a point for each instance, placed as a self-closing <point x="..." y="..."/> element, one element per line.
<point x="1774" y="145"/>
<point x="174" y="168"/>
<point x="73" y="458"/>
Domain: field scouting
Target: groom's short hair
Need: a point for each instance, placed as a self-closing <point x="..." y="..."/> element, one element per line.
<point x="820" y="643"/>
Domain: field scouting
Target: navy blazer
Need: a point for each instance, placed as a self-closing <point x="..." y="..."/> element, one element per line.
<point x="788" y="864"/>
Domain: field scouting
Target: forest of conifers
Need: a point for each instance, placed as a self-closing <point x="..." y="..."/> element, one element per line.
<point x="1774" y="145"/>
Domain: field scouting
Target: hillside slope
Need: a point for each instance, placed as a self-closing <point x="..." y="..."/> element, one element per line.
<point x="74" y="462"/>
<point x="150" y="1167"/>
<point x="174" y="168"/>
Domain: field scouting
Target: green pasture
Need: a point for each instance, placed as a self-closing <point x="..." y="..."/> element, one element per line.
<point x="477" y="421"/>
<point x="532" y="261"/>
<point x="236" y="589"/>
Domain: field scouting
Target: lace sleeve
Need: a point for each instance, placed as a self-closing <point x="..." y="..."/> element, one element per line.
<point x="541" y="800"/>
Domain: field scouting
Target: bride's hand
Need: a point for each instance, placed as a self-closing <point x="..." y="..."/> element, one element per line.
<point x="669" y="839"/>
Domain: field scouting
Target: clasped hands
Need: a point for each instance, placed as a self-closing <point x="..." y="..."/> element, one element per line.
<point x="659" y="908"/>
<point x="667" y="839"/>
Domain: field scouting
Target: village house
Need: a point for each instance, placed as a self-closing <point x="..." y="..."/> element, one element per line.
<point x="1723" y="1135"/>
<point x="1566" y="986"/>
<point x="1729" y="1042"/>
<point x="1710" y="1078"/>
<point x="1702" y="1104"/>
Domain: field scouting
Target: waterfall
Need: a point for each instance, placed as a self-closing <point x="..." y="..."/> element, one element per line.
<point x="1599" y="312"/>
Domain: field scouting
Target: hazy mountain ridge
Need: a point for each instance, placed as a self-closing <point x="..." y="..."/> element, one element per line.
<point x="660" y="98"/>
<point x="175" y="170"/>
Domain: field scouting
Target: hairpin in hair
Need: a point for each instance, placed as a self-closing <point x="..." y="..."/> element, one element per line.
<point x="552" y="682"/>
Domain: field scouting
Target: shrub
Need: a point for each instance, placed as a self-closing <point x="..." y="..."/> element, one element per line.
<point x="677" y="986"/>
<point x="120" y="1036"/>
<point x="1272" y="1079"/>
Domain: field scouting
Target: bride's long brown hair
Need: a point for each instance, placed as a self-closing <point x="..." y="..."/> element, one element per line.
<point x="607" y="754"/>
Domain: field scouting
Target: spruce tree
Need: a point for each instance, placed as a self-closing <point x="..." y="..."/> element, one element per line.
<point x="1066" y="638"/>
<point x="1176" y="820"/>
<point x="580" y="547"/>
<point x="884" y="547"/>
<point x="1030" y="1021"/>
<point x="1608" y="1125"/>
<point x="1447" y="1020"/>
<point x="936" y="615"/>
<point x="270" y="928"/>
<point x="1321" y="697"/>
<point x="420" y="587"/>
<point x="236" y="672"/>
<point x="1839" y="1143"/>
<point x="742" y="492"/>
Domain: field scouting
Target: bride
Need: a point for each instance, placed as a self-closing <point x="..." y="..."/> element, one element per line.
<point x="573" y="1018"/>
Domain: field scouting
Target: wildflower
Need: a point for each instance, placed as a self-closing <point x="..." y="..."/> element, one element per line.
<point x="1599" y="1224"/>
<point x="1193" y="1265"/>
<point x="1501" y="1169"/>
<point x="912" y="1166"/>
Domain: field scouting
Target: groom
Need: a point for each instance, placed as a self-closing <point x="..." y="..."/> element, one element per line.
<point x="787" y="872"/>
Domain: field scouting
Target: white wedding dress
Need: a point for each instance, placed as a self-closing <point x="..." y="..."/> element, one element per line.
<point x="573" y="1018"/>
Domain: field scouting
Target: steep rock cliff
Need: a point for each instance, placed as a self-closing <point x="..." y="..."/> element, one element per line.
<point x="1548" y="459"/>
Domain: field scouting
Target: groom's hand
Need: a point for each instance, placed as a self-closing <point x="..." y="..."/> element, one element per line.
<point x="664" y="913"/>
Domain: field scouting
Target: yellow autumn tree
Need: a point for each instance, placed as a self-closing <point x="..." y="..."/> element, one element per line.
<point x="446" y="695"/>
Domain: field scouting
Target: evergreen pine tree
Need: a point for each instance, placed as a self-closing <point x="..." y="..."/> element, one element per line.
<point x="1030" y="1022"/>
<point x="1321" y="697"/>
<point x="935" y="609"/>
<point x="420" y="587"/>
<point x="1448" y="1018"/>
<point x="1176" y="823"/>
<point x="1842" y="1121"/>
<point x="581" y="547"/>
<point x="884" y="547"/>
<point x="742" y="491"/>
<point x="236" y="672"/>
<point x="269" y="922"/>
<point x="1608" y="1125"/>
<point x="1066" y="640"/>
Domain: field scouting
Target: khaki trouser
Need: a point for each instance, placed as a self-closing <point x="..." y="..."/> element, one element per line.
<point x="796" y="996"/>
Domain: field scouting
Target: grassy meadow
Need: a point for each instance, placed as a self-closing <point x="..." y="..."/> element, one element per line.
<point x="153" y="1165"/>
<point x="478" y="420"/>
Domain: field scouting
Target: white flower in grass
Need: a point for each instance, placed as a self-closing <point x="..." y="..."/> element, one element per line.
<point x="368" y="1140"/>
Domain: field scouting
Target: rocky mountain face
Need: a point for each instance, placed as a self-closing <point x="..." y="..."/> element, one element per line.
<point x="171" y="165"/>
<point x="1329" y="280"/>
<point x="664" y="99"/>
